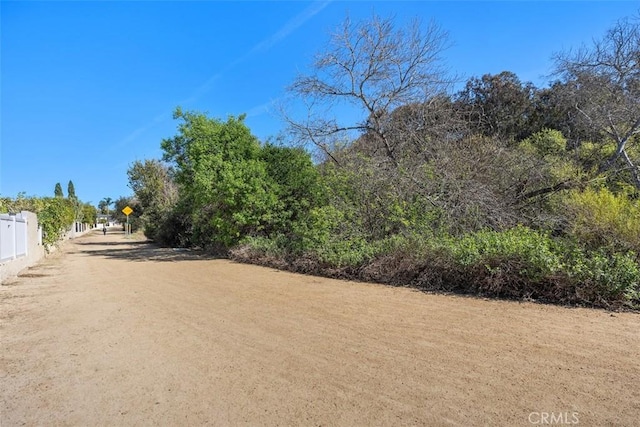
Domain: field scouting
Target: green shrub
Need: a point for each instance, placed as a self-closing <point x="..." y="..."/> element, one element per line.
<point x="536" y="251"/>
<point x="603" y="277"/>
<point x="351" y="252"/>
<point x="546" y="142"/>
<point x="55" y="217"/>
<point x="266" y="246"/>
<point x="523" y="263"/>
<point x="517" y="263"/>
<point x="600" y="218"/>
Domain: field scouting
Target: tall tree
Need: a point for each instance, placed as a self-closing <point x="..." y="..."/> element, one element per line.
<point x="152" y="183"/>
<point x="58" y="190"/>
<point x="104" y="205"/>
<point x="221" y="178"/>
<point x="605" y="83"/>
<point x="374" y="68"/>
<point x="554" y="108"/>
<point x="155" y="190"/>
<point x="498" y="105"/>
<point x="71" y="190"/>
<point x="77" y="205"/>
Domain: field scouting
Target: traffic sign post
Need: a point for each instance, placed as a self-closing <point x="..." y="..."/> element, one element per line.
<point x="127" y="211"/>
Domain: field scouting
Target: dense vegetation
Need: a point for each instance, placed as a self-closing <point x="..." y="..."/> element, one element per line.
<point x="500" y="189"/>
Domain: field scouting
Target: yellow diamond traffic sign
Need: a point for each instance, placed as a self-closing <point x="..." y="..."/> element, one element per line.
<point x="127" y="210"/>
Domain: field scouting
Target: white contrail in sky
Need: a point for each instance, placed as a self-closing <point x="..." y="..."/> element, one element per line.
<point x="142" y="129"/>
<point x="290" y="27"/>
<point x="264" y="45"/>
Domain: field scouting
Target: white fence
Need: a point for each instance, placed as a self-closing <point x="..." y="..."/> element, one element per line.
<point x="20" y="243"/>
<point x="13" y="236"/>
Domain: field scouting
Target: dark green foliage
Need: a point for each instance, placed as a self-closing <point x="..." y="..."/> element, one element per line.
<point x="71" y="191"/>
<point x="174" y="228"/>
<point x="449" y="223"/>
<point x="58" y="191"/>
<point x="78" y="210"/>
<point x="296" y="185"/>
<point x="224" y="186"/>
<point x="498" y="106"/>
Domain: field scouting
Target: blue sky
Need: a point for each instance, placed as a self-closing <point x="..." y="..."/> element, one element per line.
<point x="87" y="88"/>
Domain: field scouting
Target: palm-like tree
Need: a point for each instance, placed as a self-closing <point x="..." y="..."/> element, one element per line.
<point x="104" y="205"/>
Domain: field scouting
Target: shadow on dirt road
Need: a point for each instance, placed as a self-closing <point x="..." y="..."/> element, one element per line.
<point x="119" y="247"/>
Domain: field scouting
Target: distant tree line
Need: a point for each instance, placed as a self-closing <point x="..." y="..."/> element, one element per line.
<point x="500" y="189"/>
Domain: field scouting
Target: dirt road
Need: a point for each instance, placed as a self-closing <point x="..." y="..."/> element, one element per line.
<point x="112" y="331"/>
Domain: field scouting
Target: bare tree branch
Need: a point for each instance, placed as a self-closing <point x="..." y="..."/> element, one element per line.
<point x="370" y="68"/>
<point x="606" y="86"/>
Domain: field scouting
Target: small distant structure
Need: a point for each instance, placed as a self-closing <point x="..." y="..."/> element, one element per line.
<point x="105" y="219"/>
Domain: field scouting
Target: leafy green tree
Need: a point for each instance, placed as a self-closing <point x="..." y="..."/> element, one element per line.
<point x="89" y="213"/>
<point x="104" y="205"/>
<point x="153" y="185"/>
<point x="296" y="184"/>
<point x="498" y="105"/>
<point x="58" y="190"/>
<point x="76" y="203"/>
<point x="224" y="184"/>
<point x="554" y="108"/>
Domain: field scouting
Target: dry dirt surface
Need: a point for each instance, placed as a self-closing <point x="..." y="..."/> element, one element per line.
<point x="115" y="332"/>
